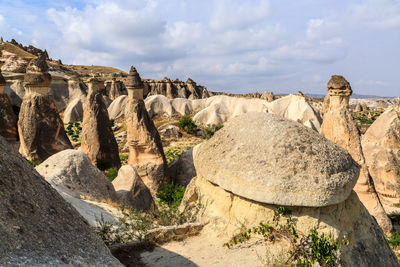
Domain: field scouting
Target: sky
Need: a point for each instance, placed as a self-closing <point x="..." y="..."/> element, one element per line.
<point x="234" y="46"/>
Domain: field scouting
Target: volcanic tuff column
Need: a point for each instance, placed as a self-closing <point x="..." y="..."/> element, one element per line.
<point x="8" y="120"/>
<point x="41" y="130"/>
<point x="145" y="148"/>
<point x="338" y="126"/>
<point x="98" y="140"/>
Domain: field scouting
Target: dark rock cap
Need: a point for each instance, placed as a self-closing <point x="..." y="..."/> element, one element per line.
<point x="134" y="80"/>
<point x="37" y="73"/>
<point x="338" y="85"/>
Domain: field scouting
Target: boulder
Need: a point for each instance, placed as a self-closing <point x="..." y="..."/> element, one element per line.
<point x="338" y="126"/>
<point x="295" y="107"/>
<point x="381" y="146"/>
<point x="74" y="111"/>
<point x="98" y="139"/>
<point x="259" y="162"/>
<point x="131" y="191"/>
<point x="71" y="171"/>
<point x="291" y="165"/>
<point x="172" y="131"/>
<point x="182" y="170"/>
<point x="38" y="227"/>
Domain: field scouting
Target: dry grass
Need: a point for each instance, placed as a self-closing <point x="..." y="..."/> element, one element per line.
<point x="87" y="70"/>
<point x="16" y="50"/>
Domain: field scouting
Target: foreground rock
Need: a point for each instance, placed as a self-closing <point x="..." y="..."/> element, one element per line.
<point x="301" y="170"/>
<point x="38" y="227"/>
<point x="41" y="130"/>
<point x="338" y="126"/>
<point x="145" y="149"/>
<point x="381" y="146"/>
<point x="98" y="139"/>
<point x="296" y="108"/>
<point x="8" y="120"/>
<point x="131" y="191"/>
<point x="71" y="171"/>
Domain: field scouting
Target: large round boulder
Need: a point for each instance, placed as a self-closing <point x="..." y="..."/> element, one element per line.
<point x="269" y="159"/>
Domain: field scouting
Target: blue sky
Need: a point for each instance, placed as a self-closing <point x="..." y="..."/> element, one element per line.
<point x="235" y="46"/>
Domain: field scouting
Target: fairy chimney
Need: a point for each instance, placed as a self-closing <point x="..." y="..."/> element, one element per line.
<point x="338" y="126"/>
<point x="145" y="149"/>
<point x="8" y="120"/>
<point x="40" y="128"/>
<point x="98" y="140"/>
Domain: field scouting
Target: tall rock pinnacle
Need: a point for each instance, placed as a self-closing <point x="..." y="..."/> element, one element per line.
<point x="8" y="120"/>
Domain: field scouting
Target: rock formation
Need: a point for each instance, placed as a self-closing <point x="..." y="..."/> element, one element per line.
<point x="131" y="191"/>
<point x="38" y="228"/>
<point x="381" y="146"/>
<point x="8" y="120"/>
<point x="72" y="172"/>
<point x="41" y="130"/>
<point x="115" y="89"/>
<point x="182" y="170"/>
<point x="269" y="96"/>
<point x="145" y="148"/>
<point x="98" y="140"/>
<point x="74" y="111"/>
<point x="260" y="161"/>
<point x="338" y="126"/>
<point x="13" y="63"/>
<point x="175" y="89"/>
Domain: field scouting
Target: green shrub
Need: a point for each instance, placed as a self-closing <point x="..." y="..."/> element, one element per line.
<point x="111" y="173"/>
<point x="112" y="123"/>
<point x="210" y="130"/>
<point x="74" y="130"/>
<point x="394" y="240"/>
<point x="171" y="194"/>
<point x="124" y="158"/>
<point x="186" y="124"/>
<point x="34" y="163"/>
<point x="173" y="153"/>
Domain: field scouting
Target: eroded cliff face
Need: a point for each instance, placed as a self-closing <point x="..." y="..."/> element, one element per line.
<point x="175" y="89"/>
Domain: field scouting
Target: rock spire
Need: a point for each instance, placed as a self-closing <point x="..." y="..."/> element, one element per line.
<point x="8" y="120"/>
<point x="145" y="148"/>
<point x="41" y="130"/>
<point x="98" y="140"/>
<point x="338" y="126"/>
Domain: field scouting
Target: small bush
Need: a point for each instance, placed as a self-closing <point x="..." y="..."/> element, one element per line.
<point x="171" y="194"/>
<point x="124" y="158"/>
<point x="74" y="130"/>
<point x="34" y="163"/>
<point x="394" y="240"/>
<point x="111" y="173"/>
<point x="173" y="153"/>
<point x="210" y="130"/>
<point x="112" y="123"/>
<point x="186" y="124"/>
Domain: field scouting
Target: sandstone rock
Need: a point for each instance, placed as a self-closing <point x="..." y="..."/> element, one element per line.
<point x="38" y="227"/>
<point x="358" y="108"/>
<point x="116" y="110"/>
<point x="283" y="163"/>
<point x="269" y="96"/>
<point x="8" y="120"/>
<point x="74" y="111"/>
<point x="295" y="108"/>
<point x="71" y="171"/>
<point x="381" y="146"/>
<point x="224" y="214"/>
<point x="182" y="170"/>
<point x="131" y="191"/>
<point x="172" y="131"/>
<point x="145" y="148"/>
<point x="98" y="140"/>
<point x="158" y="105"/>
<point x="115" y="89"/>
<point x="13" y="63"/>
<point x="41" y="130"/>
<point x="338" y="126"/>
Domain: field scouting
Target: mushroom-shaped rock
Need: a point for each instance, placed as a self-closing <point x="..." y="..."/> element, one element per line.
<point x="268" y="159"/>
<point x="339" y="86"/>
<point x="37" y="77"/>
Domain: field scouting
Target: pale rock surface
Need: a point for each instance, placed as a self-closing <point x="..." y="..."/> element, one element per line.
<point x="182" y="170"/>
<point x="74" y="111"/>
<point x="71" y="171"/>
<point x="116" y="110"/>
<point x="283" y="163"/>
<point x="39" y="227"/>
<point x="295" y="108"/>
<point x="338" y="126"/>
<point x="131" y="191"/>
<point x="381" y="146"/>
<point x="159" y="105"/>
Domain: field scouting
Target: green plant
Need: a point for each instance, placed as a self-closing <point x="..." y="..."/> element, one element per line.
<point x="171" y="194"/>
<point x="394" y="239"/>
<point x="173" y="153"/>
<point x="186" y="124"/>
<point x="74" y="130"/>
<point x="124" y="158"/>
<point x="210" y="130"/>
<point x="306" y="250"/>
<point x="111" y="173"/>
<point x="112" y="123"/>
<point x="34" y="163"/>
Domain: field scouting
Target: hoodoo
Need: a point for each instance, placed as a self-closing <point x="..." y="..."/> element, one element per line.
<point x="98" y="140"/>
<point x="8" y="120"/>
<point x="41" y="130"/>
<point x="338" y="126"/>
<point x="145" y="148"/>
